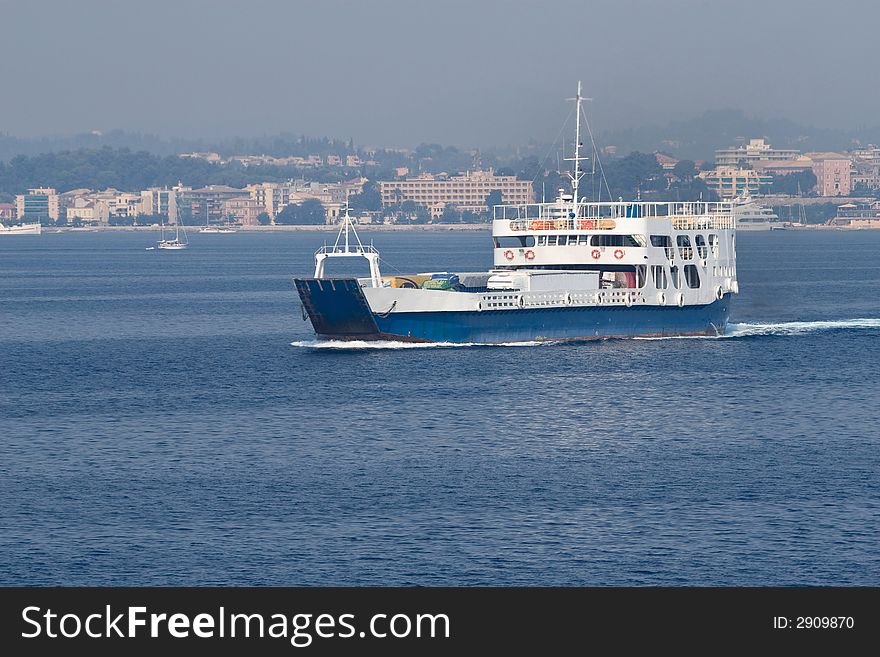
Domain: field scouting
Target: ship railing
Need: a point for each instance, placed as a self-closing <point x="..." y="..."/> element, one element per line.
<point x="511" y="300"/>
<point x="330" y="249"/>
<point x="564" y="215"/>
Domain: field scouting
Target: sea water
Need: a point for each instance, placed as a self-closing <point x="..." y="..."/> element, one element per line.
<point x="169" y="418"/>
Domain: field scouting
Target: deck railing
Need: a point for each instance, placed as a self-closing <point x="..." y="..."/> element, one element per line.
<point x="685" y="215"/>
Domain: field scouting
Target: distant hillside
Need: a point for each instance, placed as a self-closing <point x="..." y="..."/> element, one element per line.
<point x="282" y="145"/>
<point x="699" y="137"/>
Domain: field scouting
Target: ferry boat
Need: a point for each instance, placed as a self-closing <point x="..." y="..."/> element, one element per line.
<point x="22" y="229"/>
<point x="564" y="270"/>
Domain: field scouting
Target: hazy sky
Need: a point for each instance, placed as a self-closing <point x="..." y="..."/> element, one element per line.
<point x="399" y="72"/>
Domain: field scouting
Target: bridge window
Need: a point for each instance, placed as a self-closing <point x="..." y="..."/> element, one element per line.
<point x="684" y="247"/>
<point x="658" y="275"/>
<point x="661" y="240"/>
<point x="551" y="240"/>
<point x="514" y="241"/>
<point x="702" y="251"/>
<point x="618" y="240"/>
<point x="692" y="276"/>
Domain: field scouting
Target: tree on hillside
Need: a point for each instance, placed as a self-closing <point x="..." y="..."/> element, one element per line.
<point x="684" y="170"/>
<point x="309" y="212"/>
<point x="494" y="198"/>
<point x="792" y="184"/>
<point x="368" y="199"/>
<point x="636" y="173"/>
<point x="450" y="215"/>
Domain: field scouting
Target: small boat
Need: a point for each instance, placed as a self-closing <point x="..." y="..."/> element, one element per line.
<point x="22" y="229"/>
<point x="175" y="244"/>
<point x="208" y="228"/>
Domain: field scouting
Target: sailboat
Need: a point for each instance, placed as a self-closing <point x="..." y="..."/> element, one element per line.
<point x="175" y="244"/>
<point x="214" y="229"/>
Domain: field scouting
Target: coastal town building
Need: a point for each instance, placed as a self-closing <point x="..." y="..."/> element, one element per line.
<point x="7" y="211"/>
<point x="731" y="182"/>
<point x="755" y="153"/>
<point x="833" y="173"/>
<point x="866" y="168"/>
<point x="857" y="215"/>
<point x="159" y="201"/>
<point x="205" y="204"/>
<point x="242" y="210"/>
<point x="40" y="203"/>
<point x="465" y="192"/>
<point x="272" y="198"/>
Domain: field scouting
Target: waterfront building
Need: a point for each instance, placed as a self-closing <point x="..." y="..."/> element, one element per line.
<point x="272" y="198"/>
<point x="156" y="200"/>
<point x="242" y="210"/>
<point x="857" y="215"/>
<point x="833" y="173"/>
<point x="465" y="192"/>
<point x="732" y="182"/>
<point x="866" y="167"/>
<point x="206" y="203"/>
<point x="40" y="203"/>
<point x="754" y="153"/>
<point x="7" y="211"/>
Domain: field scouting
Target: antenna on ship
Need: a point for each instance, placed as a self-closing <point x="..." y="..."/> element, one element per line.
<point x="578" y="173"/>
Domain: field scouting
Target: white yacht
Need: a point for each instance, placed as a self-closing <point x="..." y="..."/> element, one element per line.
<point x="753" y="216"/>
<point x="21" y="229"/>
<point x="176" y="244"/>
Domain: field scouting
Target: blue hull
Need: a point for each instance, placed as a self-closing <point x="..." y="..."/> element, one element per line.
<point x="339" y="311"/>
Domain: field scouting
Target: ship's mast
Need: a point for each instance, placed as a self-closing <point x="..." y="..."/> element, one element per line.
<point x="577" y="174"/>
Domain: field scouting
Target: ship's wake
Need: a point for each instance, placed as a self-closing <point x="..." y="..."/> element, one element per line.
<point x="389" y="344"/>
<point x="734" y="330"/>
<point x="755" y="329"/>
<point x="745" y="329"/>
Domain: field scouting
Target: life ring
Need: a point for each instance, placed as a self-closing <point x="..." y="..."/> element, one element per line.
<point x="618" y="253"/>
<point x="719" y="293"/>
<point x="661" y="298"/>
<point x="530" y="255"/>
<point x="596" y="253"/>
<point x="508" y="254"/>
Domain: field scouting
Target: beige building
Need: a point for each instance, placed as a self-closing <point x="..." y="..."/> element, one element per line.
<point x="754" y="153"/>
<point x="39" y="202"/>
<point x="160" y="201"/>
<point x="243" y="210"/>
<point x="467" y="192"/>
<point x="271" y="197"/>
<point x="732" y="182"/>
<point x="833" y="174"/>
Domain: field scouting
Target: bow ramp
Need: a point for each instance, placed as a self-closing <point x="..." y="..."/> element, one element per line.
<point x="337" y="307"/>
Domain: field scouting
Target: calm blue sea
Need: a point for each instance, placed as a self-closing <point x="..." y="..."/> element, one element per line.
<point x="165" y="418"/>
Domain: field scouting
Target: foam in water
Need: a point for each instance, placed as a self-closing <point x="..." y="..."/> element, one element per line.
<point x="383" y="344"/>
<point x="738" y="330"/>
<point x="796" y="328"/>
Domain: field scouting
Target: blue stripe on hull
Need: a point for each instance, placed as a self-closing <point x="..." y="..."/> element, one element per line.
<point x="557" y="323"/>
